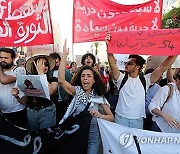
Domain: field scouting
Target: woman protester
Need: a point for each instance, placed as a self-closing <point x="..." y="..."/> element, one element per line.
<point x="165" y="107"/>
<point x="41" y="112"/>
<point x="86" y="87"/>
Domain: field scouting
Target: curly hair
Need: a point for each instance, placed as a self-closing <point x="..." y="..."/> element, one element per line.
<point x="88" y="55"/>
<point x="98" y="87"/>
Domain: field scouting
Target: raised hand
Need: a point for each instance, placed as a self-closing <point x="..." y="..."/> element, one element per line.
<point x="65" y="49"/>
<point x="39" y="66"/>
<point x="108" y="37"/>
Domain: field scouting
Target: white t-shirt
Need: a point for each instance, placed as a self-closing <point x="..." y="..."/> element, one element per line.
<point x="55" y="73"/>
<point x="171" y="107"/>
<point x="131" y="101"/>
<point x="8" y="102"/>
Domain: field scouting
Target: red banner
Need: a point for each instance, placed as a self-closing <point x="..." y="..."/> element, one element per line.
<point x="25" y="23"/>
<point x="151" y="42"/>
<point x="93" y="18"/>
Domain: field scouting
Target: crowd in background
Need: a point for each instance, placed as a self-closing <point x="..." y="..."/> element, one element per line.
<point x="134" y="97"/>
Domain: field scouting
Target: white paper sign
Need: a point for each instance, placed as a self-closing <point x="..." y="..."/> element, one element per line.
<point x="33" y="85"/>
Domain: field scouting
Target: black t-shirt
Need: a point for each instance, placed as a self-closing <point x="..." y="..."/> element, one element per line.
<point x="34" y="101"/>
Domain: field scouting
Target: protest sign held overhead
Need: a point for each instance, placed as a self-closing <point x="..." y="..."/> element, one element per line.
<point x="151" y="42"/>
<point x="25" y="23"/>
<point x="33" y="85"/>
<point x="92" y="18"/>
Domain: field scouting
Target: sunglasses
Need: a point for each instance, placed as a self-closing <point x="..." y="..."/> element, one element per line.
<point x="129" y="63"/>
<point x="46" y="64"/>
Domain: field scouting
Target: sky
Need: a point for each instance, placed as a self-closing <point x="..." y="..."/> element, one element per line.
<point x="61" y="12"/>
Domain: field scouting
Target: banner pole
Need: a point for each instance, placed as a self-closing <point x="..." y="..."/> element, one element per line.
<point x="72" y="52"/>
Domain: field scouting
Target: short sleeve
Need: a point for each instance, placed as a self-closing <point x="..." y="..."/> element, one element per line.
<point x="148" y="80"/>
<point x="159" y="98"/>
<point x="119" y="80"/>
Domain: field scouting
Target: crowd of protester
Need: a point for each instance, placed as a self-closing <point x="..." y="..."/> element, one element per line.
<point x="129" y="97"/>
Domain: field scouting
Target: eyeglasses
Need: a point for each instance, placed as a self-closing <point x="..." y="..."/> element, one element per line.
<point x="129" y="63"/>
<point x="46" y="64"/>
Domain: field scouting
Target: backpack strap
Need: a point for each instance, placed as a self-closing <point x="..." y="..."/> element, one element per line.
<point x="124" y="80"/>
<point x="143" y="80"/>
<point x="141" y="77"/>
<point x="170" y="93"/>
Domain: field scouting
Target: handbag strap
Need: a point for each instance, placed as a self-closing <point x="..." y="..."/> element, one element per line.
<point x="170" y="93"/>
<point x="87" y="107"/>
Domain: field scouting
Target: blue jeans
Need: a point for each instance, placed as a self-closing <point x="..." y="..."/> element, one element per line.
<point x="133" y="123"/>
<point x="43" y="118"/>
<point x="94" y="137"/>
<point x="113" y="99"/>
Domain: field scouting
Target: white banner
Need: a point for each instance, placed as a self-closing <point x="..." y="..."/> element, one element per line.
<point x="118" y="139"/>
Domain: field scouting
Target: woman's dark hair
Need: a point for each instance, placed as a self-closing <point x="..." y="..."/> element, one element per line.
<point x="98" y="86"/>
<point x="177" y="75"/>
<point x="88" y="55"/>
<point x="72" y="63"/>
<point x="34" y="70"/>
<point x="140" y="61"/>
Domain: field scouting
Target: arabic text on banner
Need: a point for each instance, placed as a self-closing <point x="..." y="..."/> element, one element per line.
<point x="93" y="18"/>
<point x="151" y="42"/>
<point x="25" y="23"/>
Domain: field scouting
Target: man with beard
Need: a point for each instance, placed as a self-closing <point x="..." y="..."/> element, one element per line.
<point x="61" y="104"/>
<point x="13" y="110"/>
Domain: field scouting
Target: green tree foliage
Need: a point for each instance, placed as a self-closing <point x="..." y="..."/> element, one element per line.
<point x="171" y="19"/>
<point x="96" y="45"/>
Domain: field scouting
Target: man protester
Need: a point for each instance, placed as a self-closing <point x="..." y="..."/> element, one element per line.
<point x="88" y="59"/>
<point x="130" y="109"/>
<point x="13" y="110"/>
<point x="61" y="104"/>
